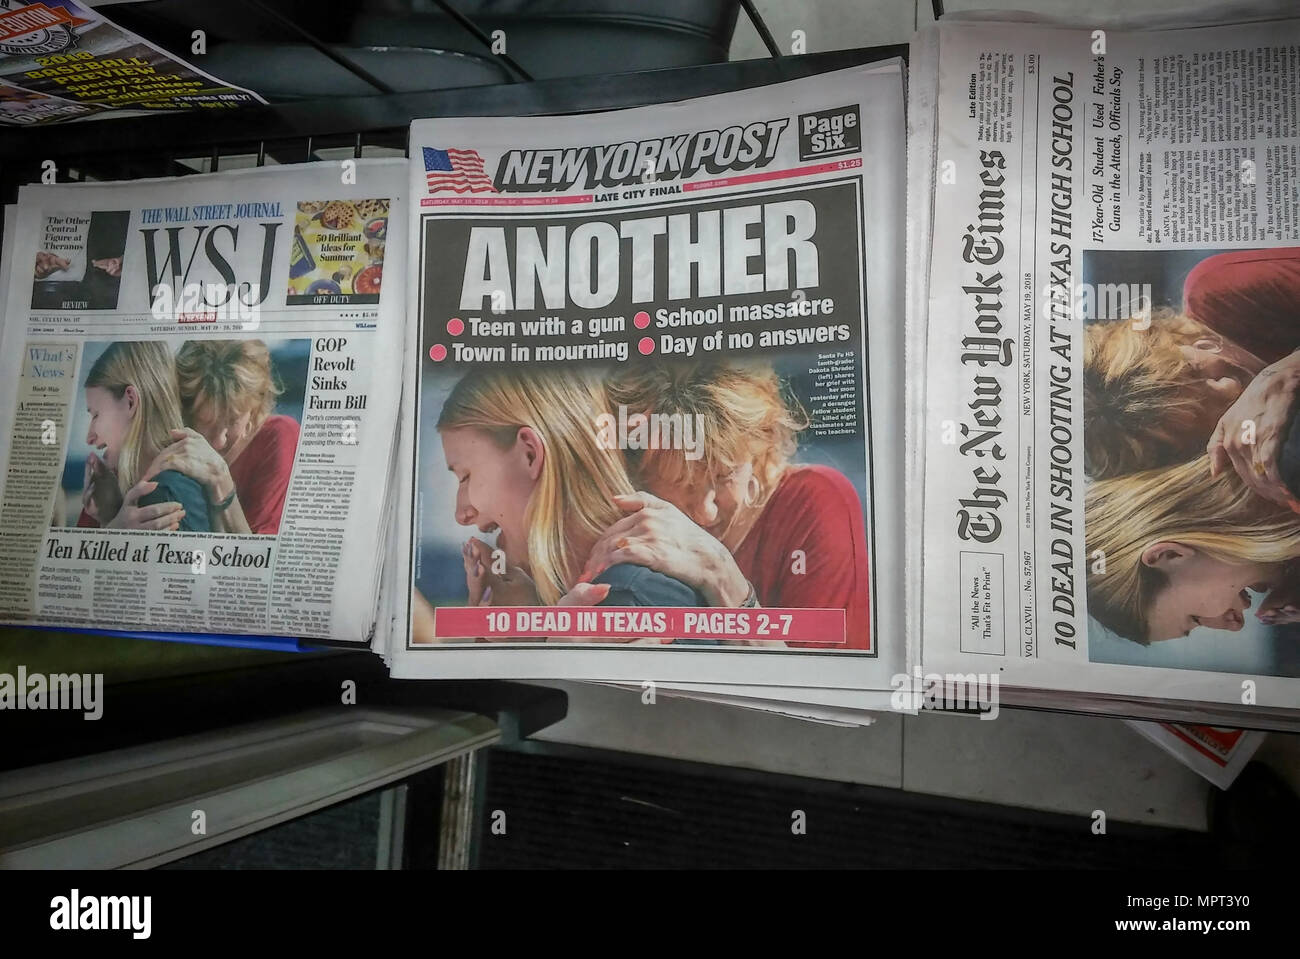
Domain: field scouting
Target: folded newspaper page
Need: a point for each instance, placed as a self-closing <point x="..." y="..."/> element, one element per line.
<point x="802" y="705"/>
<point x="656" y="395"/>
<point x="1106" y="249"/>
<point x="64" y="61"/>
<point x="201" y="377"/>
<point x="1214" y="752"/>
<point x="823" y="698"/>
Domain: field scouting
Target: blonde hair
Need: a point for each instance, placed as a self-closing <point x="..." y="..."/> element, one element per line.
<point x="743" y="415"/>
<point x="573" y="498"/>
<point x="149" y="367"/>
<point x="225" y="379"/>
<point x="1219" y="516"/>
<point x="1142" y="400"/>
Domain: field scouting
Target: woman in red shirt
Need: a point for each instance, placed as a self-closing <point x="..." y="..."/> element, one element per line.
<point x="1252" y="299"/>
<point x="739" y="522"/>
<point x="240" y="452"/>
<point x="1227" y="369"/>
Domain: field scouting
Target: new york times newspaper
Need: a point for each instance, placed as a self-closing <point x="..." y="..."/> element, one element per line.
<point x="200" y="383"/>
<point x="1109" y="421"/>
<point x="656" y="391"/>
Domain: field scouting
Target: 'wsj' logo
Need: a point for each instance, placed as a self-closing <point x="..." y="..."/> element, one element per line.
<point x="179" y="256"/>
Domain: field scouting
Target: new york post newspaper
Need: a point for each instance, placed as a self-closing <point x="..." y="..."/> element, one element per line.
<point x="657" y="391"/>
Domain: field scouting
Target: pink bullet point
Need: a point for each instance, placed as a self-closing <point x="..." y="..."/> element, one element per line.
<point x="641" y="320"/>
<point x="437" y="352"/>
<point x="455" y="326"/>
<point x="646" y="346"/>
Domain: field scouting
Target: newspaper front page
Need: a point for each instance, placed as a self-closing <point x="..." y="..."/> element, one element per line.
<point x="656" y="395"/>
<point x="1109" y="278"/>
<point x="200" y="383"/>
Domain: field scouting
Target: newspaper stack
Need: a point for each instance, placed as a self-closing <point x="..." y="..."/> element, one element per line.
<point x="670" y="397"/>
<point x="635" y="417"/>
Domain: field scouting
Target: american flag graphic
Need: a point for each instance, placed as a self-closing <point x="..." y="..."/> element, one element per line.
<point x="460" y="171"/>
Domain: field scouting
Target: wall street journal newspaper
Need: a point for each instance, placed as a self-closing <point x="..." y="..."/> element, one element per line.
<point x="656" y="400"/>
<point x="1106" y="250"/>
<point x="198" y="398"/>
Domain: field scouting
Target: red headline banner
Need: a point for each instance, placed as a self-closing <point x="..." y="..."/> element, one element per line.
<point x="821" y="626"/>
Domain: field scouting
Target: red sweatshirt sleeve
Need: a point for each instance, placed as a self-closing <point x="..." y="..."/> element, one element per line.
<point x="87" y="521"/>
<point x="809" y="549"/>
<point x="1250" y="296"/>
<point x="262" y="471"/>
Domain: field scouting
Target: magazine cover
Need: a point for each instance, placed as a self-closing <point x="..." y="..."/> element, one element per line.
<point x="61" y="61"/>
<point x="653" y="386"/>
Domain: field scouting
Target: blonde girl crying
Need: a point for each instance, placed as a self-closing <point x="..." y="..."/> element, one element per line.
<point x="1173" y="549"/>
